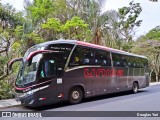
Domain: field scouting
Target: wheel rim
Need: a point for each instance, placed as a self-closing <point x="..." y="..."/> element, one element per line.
<point x="75" y="95"/>
<point x="135" y="88"/>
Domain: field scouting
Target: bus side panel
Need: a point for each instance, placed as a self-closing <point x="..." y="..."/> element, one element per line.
<point x="97" y="82"/>
<point x="122" y="78"/>
<point x="130" y="77"/>
<point x="73" y="78"/>
<point x="50" y="94"/>
<point x="144" y="78"/>
<point x="139" y="76"/>
<point x="146" y="73"/>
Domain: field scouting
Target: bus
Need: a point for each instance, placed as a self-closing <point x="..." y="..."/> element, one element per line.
<point x="70" y="70"/>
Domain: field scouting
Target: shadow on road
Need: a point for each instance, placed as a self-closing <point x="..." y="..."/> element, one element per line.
<point x="92" y="99"/>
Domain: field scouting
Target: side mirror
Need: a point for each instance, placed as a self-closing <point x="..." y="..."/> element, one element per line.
<point x="13" y="61"/>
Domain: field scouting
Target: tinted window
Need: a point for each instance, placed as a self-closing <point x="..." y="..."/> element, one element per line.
<point x="136" y="62"/>
<point x="130" y="61"/>
<point x="102" y="58"/>
<point x="64" y="48"/>
<point x="139" y="62"/>
<point x="145" y="62"/>
<point x="119" y="60"/>
<point x="48" y="67"/>
<point x="81" y="56"/>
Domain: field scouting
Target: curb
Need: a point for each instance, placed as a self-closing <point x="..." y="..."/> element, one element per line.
<point x="1" y="108"/>
<point x="9" y="103"/>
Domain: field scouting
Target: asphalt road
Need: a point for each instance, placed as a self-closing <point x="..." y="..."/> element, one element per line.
<point x="147" y="99"/>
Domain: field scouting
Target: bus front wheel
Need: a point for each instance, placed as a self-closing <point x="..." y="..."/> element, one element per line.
<point x="75" y="95"/>
<point x="135" y="87"/>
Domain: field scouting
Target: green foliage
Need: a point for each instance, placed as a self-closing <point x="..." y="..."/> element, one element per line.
<point x="5" y="90"/>
<point x="9" y="14"/>
<point x="35" y="38"/>
<point x="16" y="46"/>
<point x="128" y="19"/>
<point x="127" y="46"/>
<point x="18" y="31"/>
<point x="53" y="24"/>
<point x="153" y="34"/>
<point x="76" y="28"/>
<point x="40" y="9"/>
<point x="75" y="23"/>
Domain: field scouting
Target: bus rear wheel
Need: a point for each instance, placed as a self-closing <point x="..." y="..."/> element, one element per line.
<point x="75" y="95"/>
<point x="135" y="87"/>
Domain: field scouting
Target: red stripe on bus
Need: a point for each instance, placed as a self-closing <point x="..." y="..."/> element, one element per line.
<point x="31" y="85"/>
<point x="36" y="52"/>
<point x="97" y="46"/>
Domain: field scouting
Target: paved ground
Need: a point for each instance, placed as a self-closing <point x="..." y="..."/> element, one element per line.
<point x="13" y="102"/>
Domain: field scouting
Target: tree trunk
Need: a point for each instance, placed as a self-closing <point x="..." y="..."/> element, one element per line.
<point x="97" y="37"/>
<point x="150" y="75"/>
<point x="157" y="77"/>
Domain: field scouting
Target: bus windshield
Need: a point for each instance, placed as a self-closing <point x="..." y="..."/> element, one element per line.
<point x="27" y="74"/>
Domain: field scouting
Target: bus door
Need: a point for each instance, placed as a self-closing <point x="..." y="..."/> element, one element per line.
<point x="49" y="74"/>
<point x="51" y="70"/>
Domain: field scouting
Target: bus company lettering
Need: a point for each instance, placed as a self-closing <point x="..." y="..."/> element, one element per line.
<point x="89" y="73"/>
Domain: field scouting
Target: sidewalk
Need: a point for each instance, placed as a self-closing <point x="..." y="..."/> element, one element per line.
<point x="154" y="83"/>
<point x="8" y="103"/>
<point x="13" y="102"/>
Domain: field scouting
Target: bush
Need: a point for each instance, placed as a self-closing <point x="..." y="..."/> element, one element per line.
<point x="5" y="90"/>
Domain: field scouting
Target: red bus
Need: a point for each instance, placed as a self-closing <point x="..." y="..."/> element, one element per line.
<point x="71" y="70"/>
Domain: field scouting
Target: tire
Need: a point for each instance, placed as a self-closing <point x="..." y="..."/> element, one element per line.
<point x="135" y="87"/>
<point x="75" y="95"/>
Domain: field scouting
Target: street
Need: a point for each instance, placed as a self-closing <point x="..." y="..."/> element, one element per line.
<point x="145" y="100"/>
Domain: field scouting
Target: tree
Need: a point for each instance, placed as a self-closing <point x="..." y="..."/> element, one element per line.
<point x="119" y="27"/>
<point x="152" y="43"/>
<point x="97" y="20"/>
<point x="128" y="20"/>
<point x="153" y="34"/>
<point x="72" y="29"/>
<point x="76" y="29"/>
<point x="9" y="19"/>
<point x="151" y="49"/>
<point x="39" y="10"/>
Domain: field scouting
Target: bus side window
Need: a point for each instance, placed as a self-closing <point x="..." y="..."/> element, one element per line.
<point x="145" y="62"/>
<point x="102" y="58"/>
<point x="123" y="61"/>
<point x="119" y="60"/>
<point x="81" y="56"/>
<point x="130" y="61"/>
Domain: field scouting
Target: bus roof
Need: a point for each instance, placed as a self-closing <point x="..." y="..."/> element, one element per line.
<point x="88" y="45"/>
